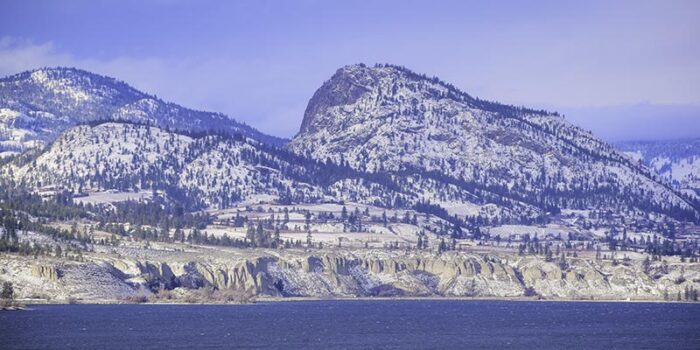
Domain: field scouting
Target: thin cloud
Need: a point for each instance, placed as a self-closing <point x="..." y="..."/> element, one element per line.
<point x="272" y="95"/>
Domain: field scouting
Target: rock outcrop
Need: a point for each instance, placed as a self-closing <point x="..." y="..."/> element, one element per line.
<point x="47" y="272"/>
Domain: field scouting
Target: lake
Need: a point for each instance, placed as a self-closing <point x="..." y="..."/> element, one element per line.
<point x="380" y="324"/>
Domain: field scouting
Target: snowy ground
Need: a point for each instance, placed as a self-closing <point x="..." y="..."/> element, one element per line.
<point x="332" y="231"/>
<point x="542" y="231"/>
<point x="112" y="197"/>
<point x="336" y="209"/>
<point x="333" y="234"/>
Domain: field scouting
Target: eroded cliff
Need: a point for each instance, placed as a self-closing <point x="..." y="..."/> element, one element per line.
<point x="370" y="273"/>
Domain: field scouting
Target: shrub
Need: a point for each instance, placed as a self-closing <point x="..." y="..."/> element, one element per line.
<point x="8" y="292"/>
<point x="136" y="299"/>
<point x="530" y="292"/>
<point x="219" y="296"/>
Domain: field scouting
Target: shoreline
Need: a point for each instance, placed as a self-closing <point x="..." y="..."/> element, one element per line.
<point x="269" y="300"/>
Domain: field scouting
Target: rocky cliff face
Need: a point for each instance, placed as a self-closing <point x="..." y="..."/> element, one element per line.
<point x="355" y="274"/>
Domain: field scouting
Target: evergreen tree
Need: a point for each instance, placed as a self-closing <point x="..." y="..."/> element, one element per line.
<point x="8" y="291"/>
<point x="277" y="237"/>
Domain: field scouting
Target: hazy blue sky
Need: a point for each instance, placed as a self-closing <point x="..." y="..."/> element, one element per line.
<point x="625" y="69"/>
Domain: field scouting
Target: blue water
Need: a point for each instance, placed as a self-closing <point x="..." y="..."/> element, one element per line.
<point x="356" y="325"/>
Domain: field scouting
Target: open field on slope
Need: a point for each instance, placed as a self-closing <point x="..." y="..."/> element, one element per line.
<point x="112" y="196"/>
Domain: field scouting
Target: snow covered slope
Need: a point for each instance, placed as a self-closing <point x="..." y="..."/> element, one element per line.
<point x="36" y="106"/>
<point x="677" y="161"/>
<point x="205" y="170"/>
<point x="388" y="119"/>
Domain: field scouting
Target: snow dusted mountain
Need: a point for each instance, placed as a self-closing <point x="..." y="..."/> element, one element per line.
<point x="379" y="135"/>
<point x="36" y="106"/>
<point x="473" y="152"/>
<point x="213" y="171"/>
<point x="677" y="161"/>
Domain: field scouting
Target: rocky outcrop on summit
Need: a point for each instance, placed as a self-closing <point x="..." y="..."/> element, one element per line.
<point x="389" y="119"/>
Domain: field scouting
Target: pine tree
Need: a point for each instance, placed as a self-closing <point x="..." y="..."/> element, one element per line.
<point x="442" y="247"/>
<point x="260" y="236"/>
<point x="8" y="291"/>
<point x="307" y="220"/>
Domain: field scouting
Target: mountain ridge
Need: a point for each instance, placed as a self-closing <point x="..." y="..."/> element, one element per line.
<point x="209" y="169"/>
<point x="403" y="139"/>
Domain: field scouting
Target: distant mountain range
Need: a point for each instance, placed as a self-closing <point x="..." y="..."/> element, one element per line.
<point x="677" y="161"/>
<point x="379" y="135"/>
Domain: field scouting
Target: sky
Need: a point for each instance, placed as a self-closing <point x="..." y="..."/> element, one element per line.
<point x="627" y="70"/>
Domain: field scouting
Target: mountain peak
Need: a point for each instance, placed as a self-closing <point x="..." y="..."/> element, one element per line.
<point x="75" y="85"/>
<point x="62" y="72"/>
<point x="66" y="74"/>
<point x="39" y="104"/>
<point x="363" y="74"/>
